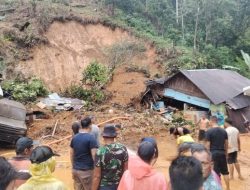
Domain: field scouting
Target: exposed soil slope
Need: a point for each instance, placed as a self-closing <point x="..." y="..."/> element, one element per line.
<point x="73" y="46"/>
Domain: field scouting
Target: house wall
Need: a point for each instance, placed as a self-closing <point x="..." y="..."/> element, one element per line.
<point x="238" y="117"/>
<point x="182" y="84"/>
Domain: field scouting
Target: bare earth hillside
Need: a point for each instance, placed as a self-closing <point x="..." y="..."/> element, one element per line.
<point x="73" y="46"/>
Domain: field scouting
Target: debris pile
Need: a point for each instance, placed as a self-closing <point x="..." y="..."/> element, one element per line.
<point x="55" y="102"/>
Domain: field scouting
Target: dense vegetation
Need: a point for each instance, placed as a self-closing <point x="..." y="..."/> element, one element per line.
<point x="95" y="74"/>
<point x="94" y="77"/>
<point x="209" y="33"/>
<point x="24" y="91"/>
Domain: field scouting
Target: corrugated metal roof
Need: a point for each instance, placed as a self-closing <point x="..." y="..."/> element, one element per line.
<point x="239" y="102"/>
<point x="4" y="102"/>
<point x="218" y="85"/>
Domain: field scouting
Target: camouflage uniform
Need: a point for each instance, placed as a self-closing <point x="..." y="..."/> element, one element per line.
<point x="111" y="159"/>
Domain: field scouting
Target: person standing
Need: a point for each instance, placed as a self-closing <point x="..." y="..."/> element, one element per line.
<point x="8" y="175"/>
<point x="233" y="148"/>
<point x="76" y="125"/>
<point x="203" y="125"/>
<point x="21" y="162"/>
<point x="42" y="168"/>
<point x="140" y="173"/>
<point x="217" y="143"/>
<point x="211" y="179"/>
<point x="95" y="131"/>
<point x="185" y="172"/>
<point x="83" y="149"/>
<point x="110" y="162"/>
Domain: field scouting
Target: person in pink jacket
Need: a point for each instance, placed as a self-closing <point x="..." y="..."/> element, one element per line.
<point x="140" y="173"/>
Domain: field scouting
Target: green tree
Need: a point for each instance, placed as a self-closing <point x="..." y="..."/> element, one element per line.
<point x="96" y="74"/>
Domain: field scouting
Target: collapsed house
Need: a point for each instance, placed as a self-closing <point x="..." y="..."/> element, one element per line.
<point x="210" y="91"/>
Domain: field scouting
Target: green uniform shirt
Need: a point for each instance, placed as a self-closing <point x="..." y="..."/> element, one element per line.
<point x="111" y="159"/>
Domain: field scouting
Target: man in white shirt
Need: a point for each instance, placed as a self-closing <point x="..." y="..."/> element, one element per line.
<point x="233" y="148"/>
<point x="95" y="131"/>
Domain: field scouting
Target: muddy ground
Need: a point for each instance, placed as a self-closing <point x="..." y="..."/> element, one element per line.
<point x="139" y="125"/>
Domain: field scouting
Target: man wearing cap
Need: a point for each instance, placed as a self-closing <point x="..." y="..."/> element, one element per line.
<point x="21" y="162"/>
<point x="42" y="167"/>
<point x="83" y="149"/>
<point x="110" y="162"/>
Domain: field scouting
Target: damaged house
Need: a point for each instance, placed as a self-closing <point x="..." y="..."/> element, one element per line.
<point x="206" y="91"/>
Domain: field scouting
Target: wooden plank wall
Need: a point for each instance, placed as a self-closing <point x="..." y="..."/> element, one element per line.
<point x="182" y="84"/>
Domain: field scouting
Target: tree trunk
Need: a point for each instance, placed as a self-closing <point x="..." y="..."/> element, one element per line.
<point x="196" y="27"/>
<point x="182" y="21"/>
<point x="208" y="20"/>
<point x="177" y="11"/>
<point x="113" y="8"/>
<point x="208" y="31"/>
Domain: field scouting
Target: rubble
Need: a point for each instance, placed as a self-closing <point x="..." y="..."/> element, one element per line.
<point x="54" y="101"/>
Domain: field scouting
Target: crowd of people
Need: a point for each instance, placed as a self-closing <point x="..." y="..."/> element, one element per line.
<point x="111" y="166"/>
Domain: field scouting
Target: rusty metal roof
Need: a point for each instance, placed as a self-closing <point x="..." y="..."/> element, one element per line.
<point x="218" y="85"/>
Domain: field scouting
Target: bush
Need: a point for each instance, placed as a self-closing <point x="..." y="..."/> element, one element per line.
<point x="123" y="52"/>
<point x="91" y="96"/>
<point x="24" y="91"/>
<point x="97" y="96"/>
<point x="76" y="91"/>
<point x="217" y="57"/>
<point x="96" y="74"/>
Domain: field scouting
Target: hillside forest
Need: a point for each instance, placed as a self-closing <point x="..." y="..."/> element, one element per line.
<point x="211" y="33"/>
<point x="185" y="34"/>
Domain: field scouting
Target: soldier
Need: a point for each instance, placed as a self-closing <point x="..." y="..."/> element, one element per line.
<point x="110" y="162"/>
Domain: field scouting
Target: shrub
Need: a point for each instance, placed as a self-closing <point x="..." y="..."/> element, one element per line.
<point x="123" y="52"/>
<point x="91" y="96"/>
<point x="76" y="91"/>
<point x="95" y="74"/>
<point x="97" y="96"/>
<point x="24" y="91"/>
